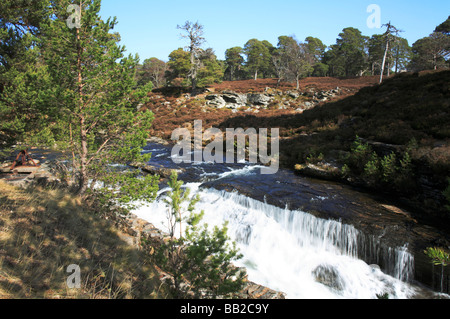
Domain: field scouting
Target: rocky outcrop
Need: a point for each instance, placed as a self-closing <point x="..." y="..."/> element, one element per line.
<point x="299" y="101"/>
<point x="322" y="170"/>
<point x="259" y="99"/>
<point x="24" y="176"/>
<point x="154" y="170"/>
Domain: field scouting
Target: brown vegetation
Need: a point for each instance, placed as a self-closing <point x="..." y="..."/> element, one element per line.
<point x="175" y="108"/>
<point x="321" y="83"/>
<point x="44" y="231"/>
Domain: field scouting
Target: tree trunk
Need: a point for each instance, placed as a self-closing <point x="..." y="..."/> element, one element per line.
<point x="83" y="180"/>
<point x="193" y="70"/>
<point x="384" y="62"/>
<point x="256" y="75"/>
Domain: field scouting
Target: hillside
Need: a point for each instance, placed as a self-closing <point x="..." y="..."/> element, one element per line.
<point x="408" y="113"/>
<point x="175" y="107"/>
<point x="43" y="232"/>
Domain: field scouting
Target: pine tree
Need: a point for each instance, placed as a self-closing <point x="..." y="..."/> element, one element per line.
<point x="199" y="261"/>
<point x="22" y="73"/>
<point x="258" y="56"/>
<point x="92" y="97"/>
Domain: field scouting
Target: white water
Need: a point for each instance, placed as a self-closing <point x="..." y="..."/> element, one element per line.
<point x="282" y="248"/>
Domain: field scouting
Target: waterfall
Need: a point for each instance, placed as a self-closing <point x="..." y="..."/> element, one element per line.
<point x="298" y="253"/>
<point x="329" y="235"/>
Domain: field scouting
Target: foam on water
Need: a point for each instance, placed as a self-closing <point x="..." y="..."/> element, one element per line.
<point x="292" y="251"/>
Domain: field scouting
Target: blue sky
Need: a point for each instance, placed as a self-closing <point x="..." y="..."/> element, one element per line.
<point x="149" y="27"/>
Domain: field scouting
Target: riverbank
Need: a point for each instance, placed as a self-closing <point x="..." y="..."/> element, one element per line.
<point x="45" y="229"/>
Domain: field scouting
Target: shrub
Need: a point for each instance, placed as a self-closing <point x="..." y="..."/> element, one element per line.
<point x="439" y="257"/>
<point x="389" y="167"/>
<point x="372" y="169"/>
<point x="199" y="260"/>
<point x="360" y="155"/>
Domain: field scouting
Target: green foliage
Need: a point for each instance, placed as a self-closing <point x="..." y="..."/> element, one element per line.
<point x="179" y="66"/>
<point x="210" y="253"/>
<point x="345" y="171"/>
<point x="314" y="158"/>
<point x="348" y="56"/>
<point x="22" y="75"/>
<point x="444" y="27"/>
<point x="315" y="48"/>
<point x="360" y="154"/>
<point x="209" y="70"/>
<point x="388" y="167"/>
<point x="199" y="261"/>
<point x="258" y="57"/>
<point x="372" y="169"/>
<point x="234" y="62"/>
<point x="431" y="52"/>
<point x="91" y="96"/>
<point x="379" y="171"/>
<point x="439" y="257"/>
<point x="320" y="70"/>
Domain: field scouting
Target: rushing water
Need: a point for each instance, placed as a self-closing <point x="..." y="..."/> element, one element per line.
<point x="287" y="249"/>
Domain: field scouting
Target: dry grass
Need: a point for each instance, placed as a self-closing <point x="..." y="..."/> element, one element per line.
<point x="43" y="231"/>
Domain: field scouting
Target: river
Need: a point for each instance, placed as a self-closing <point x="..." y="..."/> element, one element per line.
<point x="306" y="238"/>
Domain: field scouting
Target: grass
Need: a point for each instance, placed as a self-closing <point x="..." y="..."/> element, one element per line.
<point x="43" y="231"/>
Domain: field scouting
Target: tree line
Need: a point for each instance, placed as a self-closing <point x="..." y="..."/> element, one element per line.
<point x="352" y="55"/>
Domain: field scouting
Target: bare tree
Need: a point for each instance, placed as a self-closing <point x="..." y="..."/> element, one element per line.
<point x="295" y="60"/>
<point x="391" y="35"/>
<point x="194" y="33"/>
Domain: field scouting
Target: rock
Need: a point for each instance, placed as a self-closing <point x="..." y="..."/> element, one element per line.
<point x="255" y="291"/>
<point x="25" y="169"/>
<point x="215" y="100"/>
<point x="327" y="275"/>
<point x="320" y="170"/>
<point x="161" y="171"/>
<point x="293" y="95"/>
<point x="258" y="99"/>
<point x="155" y="139"/>
<point x="235" y="98"/>
<point x="307" y="105"/>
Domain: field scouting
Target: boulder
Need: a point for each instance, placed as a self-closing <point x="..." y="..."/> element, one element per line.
<point x="258" y="99"/>
<point x="215" y="100"/>
<point x="235" y="98"/>
<point x="161" y="171"/>
<point x="327" y="275"/>
<point x="293" y="95"/>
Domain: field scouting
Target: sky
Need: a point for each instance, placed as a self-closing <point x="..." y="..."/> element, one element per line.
<point x="149" y="27"/>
